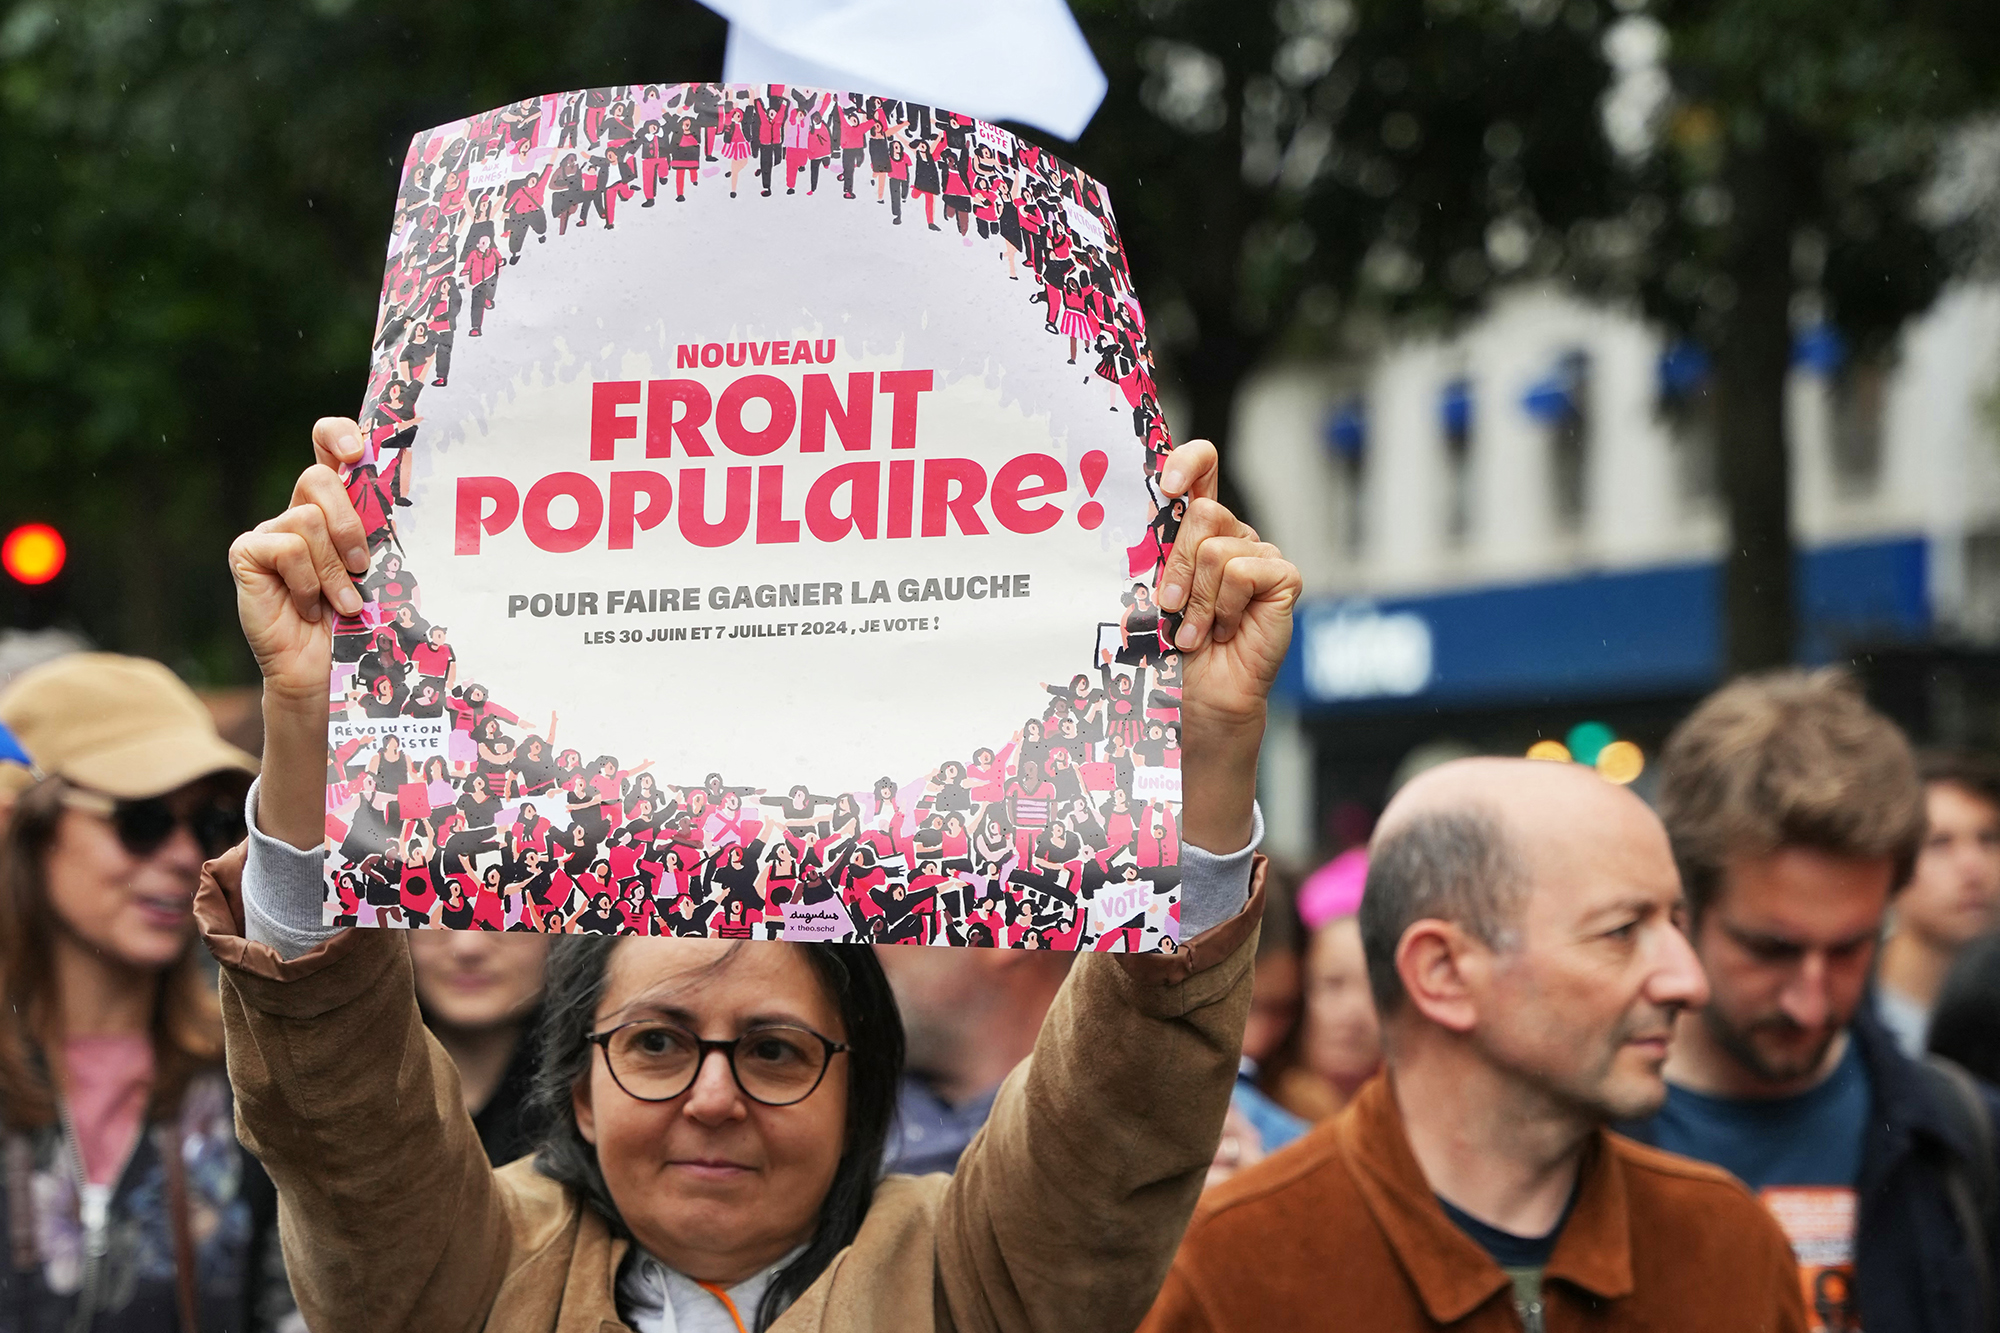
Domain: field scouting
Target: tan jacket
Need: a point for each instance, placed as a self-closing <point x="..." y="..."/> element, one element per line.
<point x="1064" y="1213"/>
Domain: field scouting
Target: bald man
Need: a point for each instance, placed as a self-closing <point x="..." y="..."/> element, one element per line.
<point x="1521" y="924"/>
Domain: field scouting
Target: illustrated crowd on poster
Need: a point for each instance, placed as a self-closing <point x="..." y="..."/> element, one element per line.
<point x="447" y="809"/>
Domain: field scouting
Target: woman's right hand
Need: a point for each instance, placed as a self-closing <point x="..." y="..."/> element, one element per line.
<point x="290" y="567"/>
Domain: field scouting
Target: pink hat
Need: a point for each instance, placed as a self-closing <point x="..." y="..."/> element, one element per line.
<point x="1334" y="890"/>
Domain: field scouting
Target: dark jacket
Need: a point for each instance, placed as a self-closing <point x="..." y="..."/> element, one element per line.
<point x="1914" y="1271"/>
<point x="49" y="1280"/>
<point x="508" y="1128"/>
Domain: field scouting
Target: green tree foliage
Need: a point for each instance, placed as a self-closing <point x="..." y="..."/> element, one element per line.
<point x="1782" y="193"/>
<point x="190" y="271"/>
<point x="1292" y="175"/>
<point x="198" y="193"/>
<point x="201" y="192"/>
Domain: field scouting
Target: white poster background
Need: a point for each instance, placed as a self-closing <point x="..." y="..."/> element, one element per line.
<point x="834" y="712"/>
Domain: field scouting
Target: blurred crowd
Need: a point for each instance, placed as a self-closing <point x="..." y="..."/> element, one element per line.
<point x="1804" y="931"/>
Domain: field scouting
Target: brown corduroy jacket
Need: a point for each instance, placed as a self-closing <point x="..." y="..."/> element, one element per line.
<point x="1341" y="1231"/>
<point x="1064" y="1212"/>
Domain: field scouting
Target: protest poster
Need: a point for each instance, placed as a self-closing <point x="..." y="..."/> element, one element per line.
<point x="760" y="485"/>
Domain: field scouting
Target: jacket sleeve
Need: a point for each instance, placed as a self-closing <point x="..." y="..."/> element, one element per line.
<point x="388" y="1208"/>
<point x="1066" y="1210"/>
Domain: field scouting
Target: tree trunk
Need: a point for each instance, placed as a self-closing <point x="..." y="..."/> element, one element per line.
<point x="1210" y="376"/>
<point x="1225" y="348"/>
<point x="1753" y="361"/>
<point x="144" y="624"/>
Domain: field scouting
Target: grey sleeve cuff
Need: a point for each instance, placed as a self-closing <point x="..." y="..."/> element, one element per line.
<point x="1214" y="888"/>
<point x="283" y="889"/>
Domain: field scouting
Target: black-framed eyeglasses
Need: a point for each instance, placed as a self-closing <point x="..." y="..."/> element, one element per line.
<point x="145" y="824"/>
<point x="774" y="1064"/>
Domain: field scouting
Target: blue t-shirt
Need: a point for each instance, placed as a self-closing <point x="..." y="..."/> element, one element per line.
<point x="1802" y="1157"/>
<point x="1507" y="1249"/>
<point x="1811" y="1138"/>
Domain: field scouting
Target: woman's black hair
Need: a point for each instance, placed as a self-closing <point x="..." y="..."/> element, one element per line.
<point x="874" y="1031"/>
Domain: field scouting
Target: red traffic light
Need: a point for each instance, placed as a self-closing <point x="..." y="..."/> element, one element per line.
<point x="33" y="553"/>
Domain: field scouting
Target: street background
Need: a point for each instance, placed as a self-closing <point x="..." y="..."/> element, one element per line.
<point x="1580" y="353"/>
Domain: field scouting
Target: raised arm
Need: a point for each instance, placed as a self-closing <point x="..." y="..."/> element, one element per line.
<point x="1066" y="1210"/>
<point x="391" y="1216"/>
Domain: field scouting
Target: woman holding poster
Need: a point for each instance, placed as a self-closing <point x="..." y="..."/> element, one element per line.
<point x="735" y="148"/>
<point x="673" y="1187"/>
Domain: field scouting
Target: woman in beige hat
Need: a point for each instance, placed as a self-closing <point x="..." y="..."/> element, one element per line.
<point x="114" y="1108"/>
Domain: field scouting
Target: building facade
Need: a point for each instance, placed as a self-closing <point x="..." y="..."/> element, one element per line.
<point x="1515" y="531"/>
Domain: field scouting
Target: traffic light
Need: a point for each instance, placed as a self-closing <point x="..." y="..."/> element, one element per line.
<point x="33" y="592"/>
<point x="33" y="554"/>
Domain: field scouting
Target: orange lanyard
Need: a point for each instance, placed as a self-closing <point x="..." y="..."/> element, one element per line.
<point x="721" y="1293"/>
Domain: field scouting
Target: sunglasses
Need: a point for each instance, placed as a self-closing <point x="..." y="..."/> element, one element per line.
<point x="143" y="826"/>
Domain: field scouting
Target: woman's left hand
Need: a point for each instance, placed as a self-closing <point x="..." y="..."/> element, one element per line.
<point x="1235" y="594"/>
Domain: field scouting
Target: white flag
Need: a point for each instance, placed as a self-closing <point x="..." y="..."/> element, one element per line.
<point x="1025" y="60"/>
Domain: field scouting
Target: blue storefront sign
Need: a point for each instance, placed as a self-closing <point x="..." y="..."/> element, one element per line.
<point x="1628" y="634"/>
